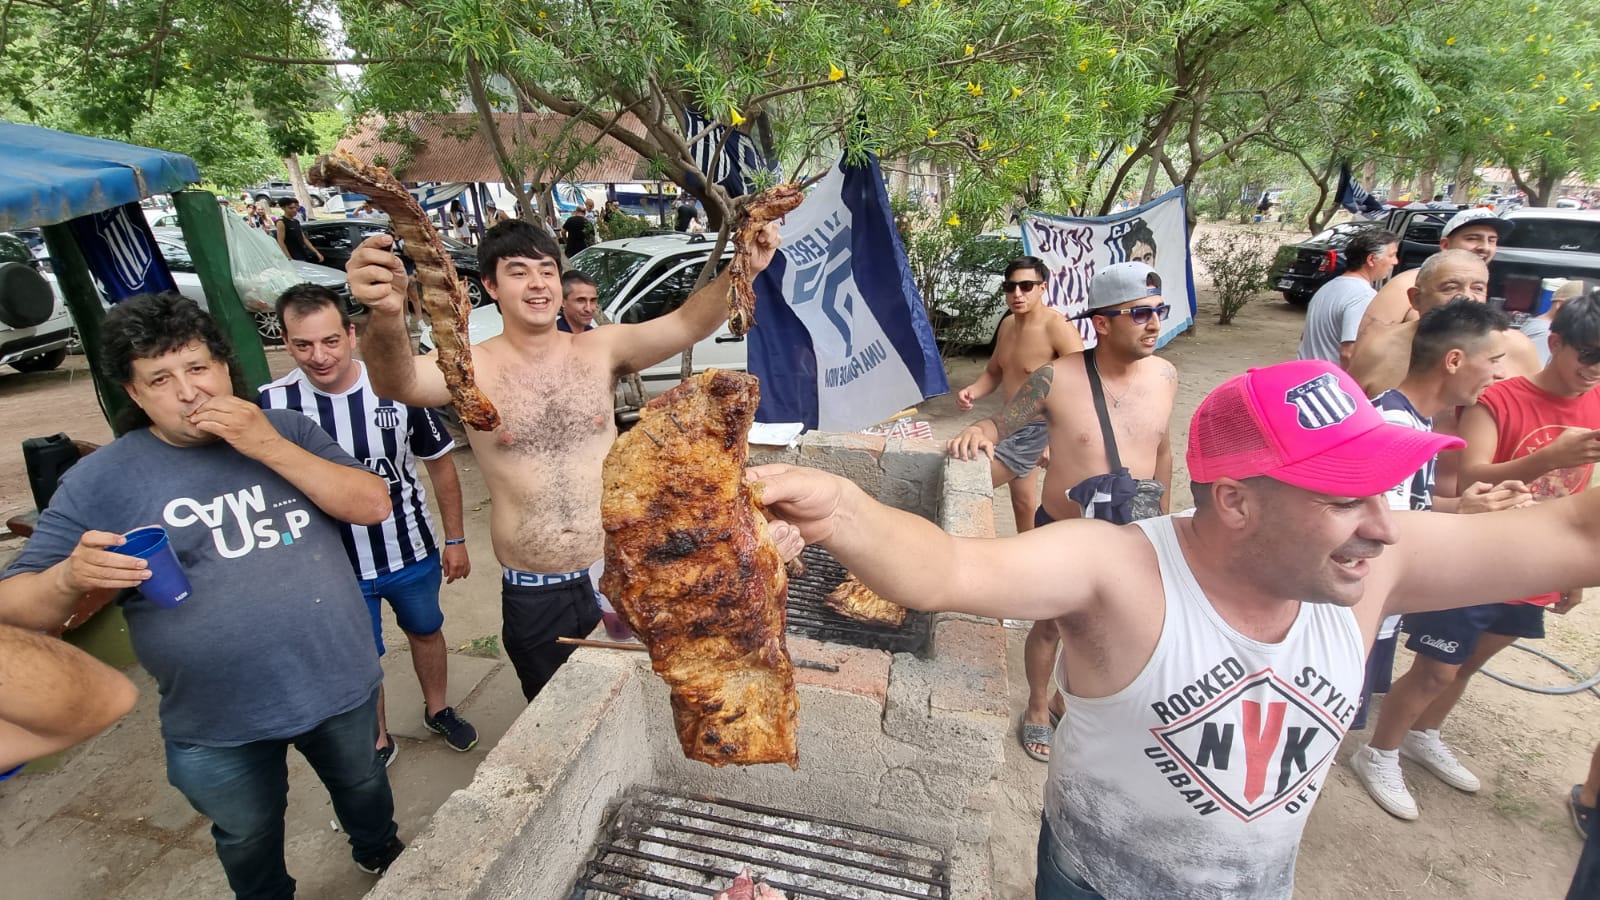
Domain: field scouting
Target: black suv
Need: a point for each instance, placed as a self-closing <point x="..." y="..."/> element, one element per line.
<point x="337" y="239"/>
<point x="1300" y="269"/>
<point x="1546" y="243"/>
<point x="275" y="192"/>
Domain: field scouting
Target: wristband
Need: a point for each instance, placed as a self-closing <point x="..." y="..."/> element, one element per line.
<point x="451" y="542"/>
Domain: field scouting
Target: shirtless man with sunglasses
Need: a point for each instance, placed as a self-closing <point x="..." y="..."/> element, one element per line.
<point x="1032" y="337"/>
<point x="1126" y="309"/>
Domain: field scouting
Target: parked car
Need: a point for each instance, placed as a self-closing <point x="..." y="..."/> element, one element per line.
<point x="1547" y="243"/>
<point x="275" y="192"/>
<point x="1299" y="270"/>
<point x="35" y="327"/>
<point x="337" y="239"/>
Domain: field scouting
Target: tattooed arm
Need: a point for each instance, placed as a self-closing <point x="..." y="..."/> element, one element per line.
<point x="1027" y="405"/>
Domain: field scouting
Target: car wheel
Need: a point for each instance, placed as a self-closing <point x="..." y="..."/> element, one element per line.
<point x="269" y="326"/>
<point x="475" y="291"/>
<point x="26" y="299"/>
<point x="1296" y="299"/>
<point x="44" y="362"/>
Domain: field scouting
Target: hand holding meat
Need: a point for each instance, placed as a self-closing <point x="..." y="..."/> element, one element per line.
<point x="805" y="498"/>
<point x="377" y="277"/>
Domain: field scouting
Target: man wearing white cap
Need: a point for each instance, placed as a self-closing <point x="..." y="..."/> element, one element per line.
<point x="1478" y="231"/>
<point x="1213" y="660"/>
<point x="1118" y="480"/>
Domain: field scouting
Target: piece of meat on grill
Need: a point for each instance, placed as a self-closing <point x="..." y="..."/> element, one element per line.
<point x="692" y="570"/>
<point x="746" y="888"/>
<point x="443" y="294"/>
<point x="854" y="600"/>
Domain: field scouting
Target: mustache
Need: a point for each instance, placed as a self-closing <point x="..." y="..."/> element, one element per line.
<point x="1359" y="548"/>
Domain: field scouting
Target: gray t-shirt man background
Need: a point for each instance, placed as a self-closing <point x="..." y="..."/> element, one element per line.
<point x="1334" y="317"/>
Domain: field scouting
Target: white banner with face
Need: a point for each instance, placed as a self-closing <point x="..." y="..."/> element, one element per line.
<point x="1074" y="249"/>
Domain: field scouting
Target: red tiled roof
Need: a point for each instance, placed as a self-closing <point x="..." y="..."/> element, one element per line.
<point x="451" y="147"/>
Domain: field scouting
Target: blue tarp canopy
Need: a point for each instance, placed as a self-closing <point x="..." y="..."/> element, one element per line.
<point x="51" y="176"/>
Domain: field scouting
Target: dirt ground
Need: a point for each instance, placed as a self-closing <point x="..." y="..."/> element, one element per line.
<point x="104" y="823"/>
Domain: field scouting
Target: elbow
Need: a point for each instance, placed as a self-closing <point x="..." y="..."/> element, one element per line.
<point x="371" y="505"/>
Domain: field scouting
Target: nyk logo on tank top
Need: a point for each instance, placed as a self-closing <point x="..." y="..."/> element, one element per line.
<point x="1249" y="743"/>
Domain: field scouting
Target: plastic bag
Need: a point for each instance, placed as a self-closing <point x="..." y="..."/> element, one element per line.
<point x="261" y="273"/>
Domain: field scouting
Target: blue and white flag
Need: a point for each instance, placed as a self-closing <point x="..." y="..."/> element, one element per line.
<point x="842" y="340"/>
<point x="1075" y="248"/>
<point x="1352" y="196"/>
<point x="121" y="253"/>
<point x="739" y="157"/>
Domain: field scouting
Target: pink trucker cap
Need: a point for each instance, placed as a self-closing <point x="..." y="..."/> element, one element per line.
<point x="1305" y="423"/>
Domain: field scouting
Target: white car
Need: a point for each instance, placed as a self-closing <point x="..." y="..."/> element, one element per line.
<point x="639" y="279"/>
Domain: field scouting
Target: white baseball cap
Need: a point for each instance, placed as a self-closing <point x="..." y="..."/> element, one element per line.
<point x="1477" y="215"/>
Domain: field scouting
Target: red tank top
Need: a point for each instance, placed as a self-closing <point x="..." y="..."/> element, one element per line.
<point x="1528" y="418"/>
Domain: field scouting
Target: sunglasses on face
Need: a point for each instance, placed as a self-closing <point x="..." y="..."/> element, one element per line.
<point x="1139" y="314"/>
<point x="1023" y="286"/>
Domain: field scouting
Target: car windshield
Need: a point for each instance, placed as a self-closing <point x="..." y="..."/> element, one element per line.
<point x="1342" y="229"/>
<point x="1532" y="232"/>
<point x="176" y="255"/>
<point x="610" y="268"/>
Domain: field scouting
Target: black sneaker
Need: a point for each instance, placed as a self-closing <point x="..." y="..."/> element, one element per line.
<point x="389" y="752"/>
<point x="380" y="863"/>
<point x="458" y="733"/>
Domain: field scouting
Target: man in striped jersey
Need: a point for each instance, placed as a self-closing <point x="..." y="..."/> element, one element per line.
<point x="399" y="559"/>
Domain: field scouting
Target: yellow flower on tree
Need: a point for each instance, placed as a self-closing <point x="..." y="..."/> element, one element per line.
<point x="954" y="221"/>
<point x="975" y="90"/>
<point x="1450" y="42"/>
<point x="1511" y="127"/>
<point x="932" y="133"/>
<point x="1083" y="64"/>
<point x="1128" y="150"/>
<point x="971" y="49"/>
<point x="904" y="3"/>
<point x="1560" y="100"/>
<point x="1111" y="52"/>
<point x="984" y="145"/>
<point x="834" y="72"/>
<point x="734" y="117"/>
<point x="543" y="14"/>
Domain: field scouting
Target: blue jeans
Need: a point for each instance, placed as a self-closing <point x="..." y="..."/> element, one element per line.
<point x="1055" y="879"/>
<point x="244" y="791"/>
<point x="1586" y="881"/>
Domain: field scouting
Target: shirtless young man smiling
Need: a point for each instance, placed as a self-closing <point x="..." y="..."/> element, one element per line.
<point x="1126" y="309"/>
<point x="1027" y="340"/>
<point x="554" y="393"/>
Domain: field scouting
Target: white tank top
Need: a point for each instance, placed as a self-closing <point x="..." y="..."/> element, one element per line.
<point x="1197" y="778"/>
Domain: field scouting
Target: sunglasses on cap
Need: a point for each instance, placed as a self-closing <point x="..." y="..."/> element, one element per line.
<point x="1139" y="314"/>
<point x="1007" y="287"/>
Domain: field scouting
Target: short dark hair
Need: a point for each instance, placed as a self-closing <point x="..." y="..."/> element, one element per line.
<point x="1455" y="325"/>
<point x="306" y="298"/>
<point x="1368" y="242"/>
<point x="153" y="325"/>
<point x="1139" y="233"/>
<point x="574" y="276"/>
<point x="515" y="237"/>
<point x="1028" y="262"/>
<point x="1577" y="322"/>
<point x="287" y="201"/>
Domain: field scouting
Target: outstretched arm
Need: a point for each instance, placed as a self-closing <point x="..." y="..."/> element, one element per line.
<point x="378" y="279"/>
<point x="1039" y="574"/>
<point x="1028" y="404"/>
<point x="54" y="696"/>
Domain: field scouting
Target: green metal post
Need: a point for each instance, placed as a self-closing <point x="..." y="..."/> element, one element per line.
<point x="83" y="301"/>
<point x="200" y="217"/>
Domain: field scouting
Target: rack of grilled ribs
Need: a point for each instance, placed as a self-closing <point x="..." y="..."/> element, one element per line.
<point x="443" y="295"/>
<point x="692" y="570"/>
<point x="754" y="213"/>
<point x="854" y="600"/>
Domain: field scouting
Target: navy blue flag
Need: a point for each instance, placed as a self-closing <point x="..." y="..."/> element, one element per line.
<point x="121" y="253"/>
<point x="738" y="160"/>
<point x="842" y="340"/>
<point x="1352" y="196"/>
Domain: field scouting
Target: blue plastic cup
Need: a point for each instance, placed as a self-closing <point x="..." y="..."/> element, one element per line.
<point x="167" y="585"/>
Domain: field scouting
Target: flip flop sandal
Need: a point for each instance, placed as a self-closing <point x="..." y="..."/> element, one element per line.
<point x="1037" y="734"/>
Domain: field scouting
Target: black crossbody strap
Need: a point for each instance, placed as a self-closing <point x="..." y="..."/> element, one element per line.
<point x="1099" y="393"/>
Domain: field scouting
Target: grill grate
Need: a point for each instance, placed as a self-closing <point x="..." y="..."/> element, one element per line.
<point x="667" y="845"/>
<point x="810" y="617"/>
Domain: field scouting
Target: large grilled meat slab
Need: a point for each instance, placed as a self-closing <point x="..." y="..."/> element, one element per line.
<point x="690" y="567"/>
<point x="854" y="600"/>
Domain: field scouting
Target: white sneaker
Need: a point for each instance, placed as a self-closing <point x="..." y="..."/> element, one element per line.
<point x="1426" y="748"/>
<point x="1382" y="778"/>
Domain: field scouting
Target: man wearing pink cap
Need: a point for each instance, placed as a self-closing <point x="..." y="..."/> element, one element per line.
<point x="1214" y="660"/>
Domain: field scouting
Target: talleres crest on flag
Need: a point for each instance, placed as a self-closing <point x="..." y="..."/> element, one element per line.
<point x="1320" y="402"/>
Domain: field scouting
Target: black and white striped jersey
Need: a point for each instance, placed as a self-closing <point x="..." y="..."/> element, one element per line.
<point x="388" y="437"/>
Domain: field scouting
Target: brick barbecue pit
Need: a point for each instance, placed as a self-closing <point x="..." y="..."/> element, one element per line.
<point x="890" y="742"/>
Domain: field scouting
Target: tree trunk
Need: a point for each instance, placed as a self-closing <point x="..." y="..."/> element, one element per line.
<point x="1464" y="172"/>
<point x="298" y="179"/>
<point x="1425" y="182"/>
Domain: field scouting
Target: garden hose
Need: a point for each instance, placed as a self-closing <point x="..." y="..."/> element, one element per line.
<point x="1586" y="684"/>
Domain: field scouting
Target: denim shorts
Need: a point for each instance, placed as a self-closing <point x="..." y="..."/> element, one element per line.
<point x="413" y="594"/>
<point x="1450" y="635"/>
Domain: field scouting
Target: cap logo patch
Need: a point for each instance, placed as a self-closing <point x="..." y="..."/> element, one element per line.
<point x="1320" y="402"/>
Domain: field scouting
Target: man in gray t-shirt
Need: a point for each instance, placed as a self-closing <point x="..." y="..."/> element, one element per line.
<point x="1334" y="316"/>
<point x="255" y="658"/>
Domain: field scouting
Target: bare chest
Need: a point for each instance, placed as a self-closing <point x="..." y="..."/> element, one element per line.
<point x="1028" y="351"/>
<point x="1140" y="417"/>
<point x="549" y="412"/>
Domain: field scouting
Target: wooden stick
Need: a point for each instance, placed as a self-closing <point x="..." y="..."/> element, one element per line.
<point x="603" y="645"/>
